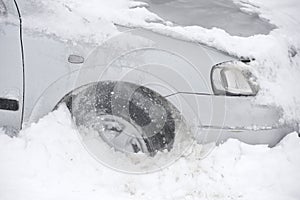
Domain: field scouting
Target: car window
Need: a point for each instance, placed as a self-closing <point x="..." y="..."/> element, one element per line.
<point x="3" y="10"/>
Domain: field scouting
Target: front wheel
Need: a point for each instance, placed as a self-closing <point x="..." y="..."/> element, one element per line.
<point x="127" y="117"/>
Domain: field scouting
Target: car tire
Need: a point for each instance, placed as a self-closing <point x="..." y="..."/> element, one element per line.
<point x="116" y="104"/>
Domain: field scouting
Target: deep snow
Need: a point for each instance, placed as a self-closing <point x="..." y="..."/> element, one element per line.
<point x="48" y="161"/>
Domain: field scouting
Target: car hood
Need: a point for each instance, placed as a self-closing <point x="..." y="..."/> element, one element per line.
<point x="222" y="14"/>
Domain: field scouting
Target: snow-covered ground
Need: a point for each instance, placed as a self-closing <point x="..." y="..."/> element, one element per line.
<point x="48" y="161"/>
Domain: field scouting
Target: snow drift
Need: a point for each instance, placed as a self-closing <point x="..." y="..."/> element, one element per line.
<point x="48" y="161"/>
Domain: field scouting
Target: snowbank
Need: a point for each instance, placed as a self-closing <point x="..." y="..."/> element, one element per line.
<point x="48" y="161"/>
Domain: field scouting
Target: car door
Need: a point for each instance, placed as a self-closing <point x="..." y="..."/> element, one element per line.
<point x="11" y="69"/>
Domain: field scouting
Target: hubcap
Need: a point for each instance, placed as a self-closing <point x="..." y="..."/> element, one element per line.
<point x="120" y="134"/>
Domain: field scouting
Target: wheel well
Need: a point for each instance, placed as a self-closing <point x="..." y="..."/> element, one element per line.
<point x="100" y="96"/>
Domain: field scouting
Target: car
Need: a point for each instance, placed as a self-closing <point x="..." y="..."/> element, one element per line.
<point x="139" y="92"/>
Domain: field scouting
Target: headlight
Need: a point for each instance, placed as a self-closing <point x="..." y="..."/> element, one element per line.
<point x="233" y="78"/>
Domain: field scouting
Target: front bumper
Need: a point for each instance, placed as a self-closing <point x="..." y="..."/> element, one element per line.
<point x="250" y="135"/>
<point x="219" y="118"/>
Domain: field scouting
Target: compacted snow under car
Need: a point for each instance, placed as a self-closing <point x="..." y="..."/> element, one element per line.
<point x="139" y="92"/>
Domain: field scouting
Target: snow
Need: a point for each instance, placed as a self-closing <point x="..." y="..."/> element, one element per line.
<point x="48" y="161"/>
<point x="85" y="21"/>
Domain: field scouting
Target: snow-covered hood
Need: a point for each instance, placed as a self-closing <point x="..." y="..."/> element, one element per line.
<point x="222" y="14"/>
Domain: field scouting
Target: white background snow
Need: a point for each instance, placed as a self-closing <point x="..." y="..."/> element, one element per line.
<point x="48" y="161"/>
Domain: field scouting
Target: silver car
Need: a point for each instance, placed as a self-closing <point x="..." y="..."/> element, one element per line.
<point x="137" y="91"/>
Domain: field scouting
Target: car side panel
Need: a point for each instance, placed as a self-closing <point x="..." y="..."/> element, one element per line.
<point x="49" y="75"/>
<point x="46" y="61"/>
<point x="222" y="117"/>
<point x="10" y="68"/>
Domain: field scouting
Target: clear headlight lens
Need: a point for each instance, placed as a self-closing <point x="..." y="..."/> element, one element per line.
<point x="233" y="78"/>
